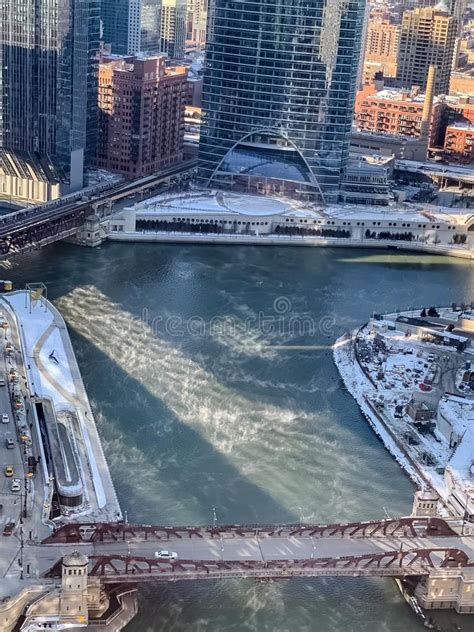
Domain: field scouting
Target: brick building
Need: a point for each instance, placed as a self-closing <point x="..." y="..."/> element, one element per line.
<point x="393" y="111"/>
<point x="141" y="114"/>
<point x="462" y="82"/>
<point x="459" y="143"/>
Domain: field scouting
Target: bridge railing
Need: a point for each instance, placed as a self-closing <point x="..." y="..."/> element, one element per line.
<point x="395" y="563"/>
<point x="112" y="532"/>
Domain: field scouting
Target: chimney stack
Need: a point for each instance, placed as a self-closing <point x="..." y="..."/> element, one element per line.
<point x="428" y="104"/>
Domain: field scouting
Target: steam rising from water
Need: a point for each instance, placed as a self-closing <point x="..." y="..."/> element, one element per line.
<point x="264" y="442"/>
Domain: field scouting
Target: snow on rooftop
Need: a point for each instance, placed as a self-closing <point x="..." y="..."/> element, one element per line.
<point x="230" y="203"/>
<point x="41" y="338"/>
<point x="392" y="94"/>
<point x="216" y="202"/>
<point x="459" y="411"/>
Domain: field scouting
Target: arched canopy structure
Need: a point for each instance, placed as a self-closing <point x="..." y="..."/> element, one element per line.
<point x="260" y="155"/>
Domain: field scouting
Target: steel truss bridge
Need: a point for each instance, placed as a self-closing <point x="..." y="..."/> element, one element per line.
<point x="385" y="548"/>
<point x="37" y="226"/>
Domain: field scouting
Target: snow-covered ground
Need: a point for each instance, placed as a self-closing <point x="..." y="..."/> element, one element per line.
<point x="40" y="337"/>
<point x="53" y="373"/>
<point x="392" y="374"/>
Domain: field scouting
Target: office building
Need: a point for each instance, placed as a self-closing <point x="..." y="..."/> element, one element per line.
<point x="48" y="85"/>
<point x="278" y="95"/>
<point x="427" y="37"/>
<point x="131" y="26"/>
<point x="141" y="114"/>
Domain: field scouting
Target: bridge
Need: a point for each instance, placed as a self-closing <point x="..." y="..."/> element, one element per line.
<point x="37" y="226"/>
<point x="443" y="174"/>
<point x="400" y="547"/>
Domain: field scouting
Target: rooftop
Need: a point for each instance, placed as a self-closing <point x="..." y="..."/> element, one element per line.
<point x="464" y="125"/>
<point x="230" y="203"/>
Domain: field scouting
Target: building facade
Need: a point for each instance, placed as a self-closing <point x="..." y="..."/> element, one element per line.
<point x="196" y="22"/>
<point x="382" y="45"/>
<point x="459" y="143"/>
<point x="173" y="28"/>
<point x="131" y="26"/>
<point x="115" y="24"/>
<point x="48" y="83"/>
<point x="427" y="37"/>
<point x="394" y="111"/>
<point x="462" y="82"/>
<point x="141" y="115"/>
<point x="278" y="94"/>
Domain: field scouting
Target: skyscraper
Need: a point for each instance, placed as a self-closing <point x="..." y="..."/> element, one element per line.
<point x="115" y="16"/>
<point x="197" y="20"/>
<point x="131" y="26"/>
<point x="427" y="37"/>
<point x="278" y="95"/>
<point x="48" y="81"/>
<point x="173" y="28"/>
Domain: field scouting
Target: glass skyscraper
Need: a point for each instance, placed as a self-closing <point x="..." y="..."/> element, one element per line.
<point x="278" y="95"/>
<point x="131" y="26"/>
<point x="48" y="80"/>
<point x="115" y="16"/>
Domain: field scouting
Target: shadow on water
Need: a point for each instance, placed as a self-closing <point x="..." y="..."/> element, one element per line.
<point x="166" y="471"/>
<point x="189" y="471"/>
<point x="175" y="473"/>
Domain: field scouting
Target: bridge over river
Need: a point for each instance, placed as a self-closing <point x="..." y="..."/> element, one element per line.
<point x="122" y="552"/>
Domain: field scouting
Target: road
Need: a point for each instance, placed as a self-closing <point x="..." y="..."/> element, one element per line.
<point x="40" y="558"/>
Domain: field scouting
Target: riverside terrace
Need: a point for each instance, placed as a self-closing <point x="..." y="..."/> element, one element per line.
<point x="223" y="217"/>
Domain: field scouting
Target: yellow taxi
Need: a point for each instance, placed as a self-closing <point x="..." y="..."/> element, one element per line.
<point x="9" y="471"/>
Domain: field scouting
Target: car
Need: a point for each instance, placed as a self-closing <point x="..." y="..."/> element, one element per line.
<point x="5" y="418"/>
<point x="9" y="471"/>
<point x="16" y="485"/>
<point x="8" y="528"/>
<point x="431" y="357"/>
<point x="2" y="381"/>
<point x="9" y="443"/>
<point x="164" y="554"/>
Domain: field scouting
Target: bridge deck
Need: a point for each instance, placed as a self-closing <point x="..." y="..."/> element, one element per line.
<point x="264" y="556"/>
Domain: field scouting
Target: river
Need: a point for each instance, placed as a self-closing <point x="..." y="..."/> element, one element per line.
<point x="211" y="376"/>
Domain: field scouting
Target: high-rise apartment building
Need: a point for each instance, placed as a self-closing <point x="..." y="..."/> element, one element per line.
<point x="141" y="114"/>
<point x="197" y="21"/>
<point x="427" y="37"/>
<point x="131" y="26"/>
<point x="173" y="28"/>
<point x="278" y="94"/>
<point x="382" y="45"/>
<point x="48" y="75"/>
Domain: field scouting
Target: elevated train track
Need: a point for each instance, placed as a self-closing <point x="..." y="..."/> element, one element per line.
<point x="38" y="226"/>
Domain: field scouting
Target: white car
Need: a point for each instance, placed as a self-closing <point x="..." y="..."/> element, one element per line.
<point x="5" y="418"/>
<point x="164" y="554"/>
<point x="16" y="485"/>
